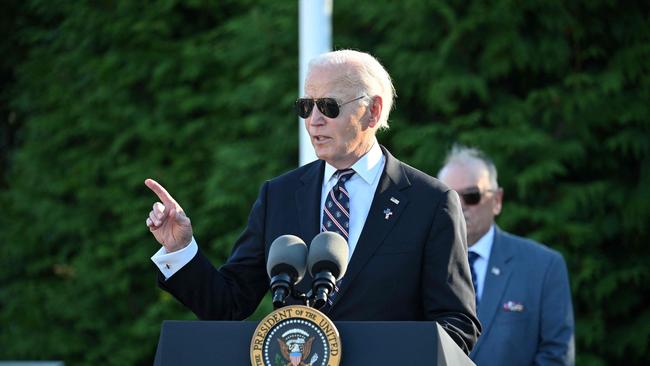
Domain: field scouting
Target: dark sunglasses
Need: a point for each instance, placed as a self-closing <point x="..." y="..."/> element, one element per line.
<point x="329" y="107"/>
<point x="472" y="196"/>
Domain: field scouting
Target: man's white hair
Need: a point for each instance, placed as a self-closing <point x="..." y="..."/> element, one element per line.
<point x="368" y="77"/>
<point x="464" y="155"/>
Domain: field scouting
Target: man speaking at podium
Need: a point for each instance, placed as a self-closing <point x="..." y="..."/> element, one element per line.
<point x="405" y="230"/>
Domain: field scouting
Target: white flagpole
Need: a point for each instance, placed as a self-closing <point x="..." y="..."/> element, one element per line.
<point x="315" y="37"/>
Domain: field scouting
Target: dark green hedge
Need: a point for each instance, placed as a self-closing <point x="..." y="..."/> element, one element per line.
<point x="98" y="95"/>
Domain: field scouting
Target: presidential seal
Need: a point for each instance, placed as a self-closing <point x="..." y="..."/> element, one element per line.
<point x="296" y="335"/>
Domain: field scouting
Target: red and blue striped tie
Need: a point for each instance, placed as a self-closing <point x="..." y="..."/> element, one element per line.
<point x="336" y="215"/>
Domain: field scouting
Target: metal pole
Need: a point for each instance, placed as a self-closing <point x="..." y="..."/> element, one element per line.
<point x="315" y="37"/>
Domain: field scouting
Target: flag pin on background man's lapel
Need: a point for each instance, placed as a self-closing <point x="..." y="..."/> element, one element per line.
<point x="513" y="306"/>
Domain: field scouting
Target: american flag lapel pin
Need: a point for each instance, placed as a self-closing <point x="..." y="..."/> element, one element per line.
<point x="394" y="200"/>
<point x="513" y="306"/>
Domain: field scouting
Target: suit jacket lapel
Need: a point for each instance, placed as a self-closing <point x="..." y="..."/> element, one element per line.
<point x="496" y="280"/>
<point x="393" y="180"/>
<point x="307" y="199"/>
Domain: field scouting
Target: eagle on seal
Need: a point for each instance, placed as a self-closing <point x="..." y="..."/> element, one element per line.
<point x="294" y="354"/>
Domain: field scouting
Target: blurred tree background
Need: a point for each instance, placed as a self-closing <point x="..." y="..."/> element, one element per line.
<point x="96" y="96"/>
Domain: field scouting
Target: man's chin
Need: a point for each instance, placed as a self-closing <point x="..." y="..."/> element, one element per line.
<point x="321" y="153"/>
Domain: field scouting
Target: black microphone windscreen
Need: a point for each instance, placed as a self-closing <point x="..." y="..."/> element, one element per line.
<point x="328" y="252"/>
<point x="287" y="254"/>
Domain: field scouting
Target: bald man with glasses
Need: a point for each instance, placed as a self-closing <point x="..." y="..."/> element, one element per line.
<point x="522" y="287"/>
<point x="404" y="229"/>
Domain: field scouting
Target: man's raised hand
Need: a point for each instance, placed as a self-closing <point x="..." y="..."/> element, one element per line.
<point x="167" y="221"/>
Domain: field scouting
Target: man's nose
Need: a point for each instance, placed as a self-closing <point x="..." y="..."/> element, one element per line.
<point x="316" y="118"/>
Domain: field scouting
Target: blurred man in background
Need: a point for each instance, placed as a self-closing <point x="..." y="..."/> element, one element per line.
<point x="522" y="287"/>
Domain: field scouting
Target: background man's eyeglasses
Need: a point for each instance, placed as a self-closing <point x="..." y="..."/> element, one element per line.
<point x="472" y="196"/>
<point x="329" y="107"/>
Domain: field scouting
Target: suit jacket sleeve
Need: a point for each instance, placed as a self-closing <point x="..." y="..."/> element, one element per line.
<point x="233" y="291"/>
<point x="556" y="344"/>
<point x="447" y="289"/>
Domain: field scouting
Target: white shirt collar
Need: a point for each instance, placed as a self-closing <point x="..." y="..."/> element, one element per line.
<point x="367" y="167"/>
<point x="483" y="246"/>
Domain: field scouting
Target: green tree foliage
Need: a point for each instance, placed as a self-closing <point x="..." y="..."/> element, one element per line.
<point x="99" y="95"/>
<point x="197" y="95"/>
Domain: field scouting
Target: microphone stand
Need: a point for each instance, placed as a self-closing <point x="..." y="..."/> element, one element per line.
<point x="323" y="286"/>
<point x="280" y="287"/>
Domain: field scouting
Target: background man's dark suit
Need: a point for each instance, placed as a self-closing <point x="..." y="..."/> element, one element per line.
<point x="540" y="331"/>
<point x="409" y="266"/>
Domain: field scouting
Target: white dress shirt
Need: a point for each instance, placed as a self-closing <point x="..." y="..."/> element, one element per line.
<point x="482" y="247"/>
<point x="170" y="263"/>
<point x="361" y="187"/>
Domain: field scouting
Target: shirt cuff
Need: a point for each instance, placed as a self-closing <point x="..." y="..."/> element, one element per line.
<point x="170" y="263"/>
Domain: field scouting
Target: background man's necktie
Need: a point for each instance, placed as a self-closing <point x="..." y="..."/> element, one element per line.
<point x="336" y="214"/>
<point x="472" y="258"/>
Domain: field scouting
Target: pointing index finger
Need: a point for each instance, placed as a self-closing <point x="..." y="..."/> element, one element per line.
<point x="162" y="193"/>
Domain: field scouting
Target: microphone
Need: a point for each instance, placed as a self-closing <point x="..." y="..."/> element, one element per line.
<point x="327" y="262"/>
<point x="285" y="266"/>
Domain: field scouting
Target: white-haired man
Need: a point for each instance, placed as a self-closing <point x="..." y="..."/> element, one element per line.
<point x="522" y="287"/>
<point x="404" y="229"/>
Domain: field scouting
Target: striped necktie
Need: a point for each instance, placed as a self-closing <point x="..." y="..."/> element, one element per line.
<point x="336" y="217"/>
<point x="336" y="212"/>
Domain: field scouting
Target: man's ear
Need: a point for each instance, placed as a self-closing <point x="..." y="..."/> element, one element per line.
<point x="376" y="106"/>
<point x="498" y="201"/>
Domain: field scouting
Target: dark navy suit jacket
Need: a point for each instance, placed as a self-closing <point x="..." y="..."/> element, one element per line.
<point x="410" y="266"/>
<point x="525" y="308"/>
